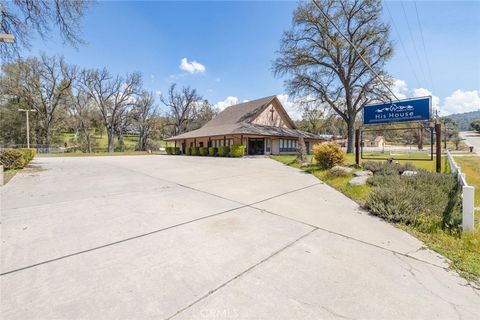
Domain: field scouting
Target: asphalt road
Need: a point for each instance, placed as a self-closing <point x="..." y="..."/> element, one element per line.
<point x="473" y="139"/>
<point x="172" y="237"/>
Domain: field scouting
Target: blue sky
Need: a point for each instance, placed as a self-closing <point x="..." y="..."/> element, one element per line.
<point x="235" y="43"/>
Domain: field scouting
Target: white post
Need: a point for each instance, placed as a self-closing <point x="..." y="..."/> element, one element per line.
<point x="28" y="131"/>
<point x="468" y="208"/>
<point x="1" y="175"/>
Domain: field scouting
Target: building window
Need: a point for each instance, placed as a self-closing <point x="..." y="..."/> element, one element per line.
<point x="288" y="145"/>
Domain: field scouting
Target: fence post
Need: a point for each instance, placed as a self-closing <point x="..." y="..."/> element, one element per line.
<point x="468" y="208"/>
<point x="357" y="146"/>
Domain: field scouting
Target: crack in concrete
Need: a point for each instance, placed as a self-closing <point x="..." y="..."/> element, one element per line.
<point x="411" y="270"/>
<point x="209" y="293"/>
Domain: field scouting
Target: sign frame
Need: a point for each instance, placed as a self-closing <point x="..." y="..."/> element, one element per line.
<point x="366" y="157"/>
<point x="430" y="112"/>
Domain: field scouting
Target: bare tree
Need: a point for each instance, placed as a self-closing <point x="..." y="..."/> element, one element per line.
<point x="143" y="117"/>
<point x="26" y="18"/>
<point x="43" y="83"/>
<point x="181" y="105"/>
<point x="320" y="63"/>
<point x="202" y="113"/>
<point x="82" y="111"/>
<point x="112" y="95"/>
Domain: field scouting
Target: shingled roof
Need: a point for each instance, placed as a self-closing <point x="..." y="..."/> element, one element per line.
<point x="237" y="119"/>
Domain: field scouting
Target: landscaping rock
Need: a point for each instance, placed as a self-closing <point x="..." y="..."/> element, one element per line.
<point x="409" y="173"/>
<point x="358" y="181"/>
<point x="339" y="170"/>
<point x="363" y="173"/>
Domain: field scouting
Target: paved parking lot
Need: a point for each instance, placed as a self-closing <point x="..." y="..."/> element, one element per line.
<point x="160" y="237"/>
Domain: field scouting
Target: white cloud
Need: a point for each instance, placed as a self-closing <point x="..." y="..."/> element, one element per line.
<point x="293" y="109"/>
<point x="192" y="66"/>
<point x="229" y="101"/>
<point x="462" y="101"/>
<point x="422" y="92"/>
<point x="158" y="93"/>
<point x="400" y="88"/>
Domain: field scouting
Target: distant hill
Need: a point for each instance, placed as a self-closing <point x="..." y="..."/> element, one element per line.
<point x="464" y="119"/>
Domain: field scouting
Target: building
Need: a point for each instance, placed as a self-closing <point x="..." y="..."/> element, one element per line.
<point x="262" y="125"/>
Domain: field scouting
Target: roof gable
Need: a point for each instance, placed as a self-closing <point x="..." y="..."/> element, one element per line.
<point x="274" y="115"/>
<point x="242" y="112"/>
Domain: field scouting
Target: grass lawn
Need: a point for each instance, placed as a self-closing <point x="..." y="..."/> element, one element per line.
<point x="470" y="165"/>
<point x="96" y="154"/>
<point x="462" y="250"/>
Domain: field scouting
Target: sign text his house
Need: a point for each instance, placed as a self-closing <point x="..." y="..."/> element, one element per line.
<point x="418" y="109"/>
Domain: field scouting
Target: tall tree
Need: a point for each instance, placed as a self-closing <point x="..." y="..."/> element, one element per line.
<point x="112" y="95"/>
<point x="203" y="112"/>
<point x="26" y="18"/>
<point x="181" y="107"/>
<point x="83" y="114"/>
<point x="144" y="118"/>
<point x="44" y="84"/>
<point x="319" y="62"/>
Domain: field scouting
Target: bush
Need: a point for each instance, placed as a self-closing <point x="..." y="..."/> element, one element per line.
<point x="203" y="151"/>
<point x="388" y="168"/>
<point x="427" y="200"/>
<point x="195" y="151"/>
<point x="168" y="150"/>
<point x="29" y="153"/>
<point x="212" y="151"/>
<point x="188" y="151"/>
<point x="223" y="151"/>
<point x="237" y="150"/>
<point x="13" y="159"/>
<point x="176" y="150"/>
<point x="328" y="155"/>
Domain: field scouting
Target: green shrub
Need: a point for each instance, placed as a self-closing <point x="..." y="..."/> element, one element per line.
<point x="195" y="151"/>
<point x="328" y="155"/>
<point x="188" y="151"/>
<point x="212" y="151"/>
<point x="427" y="200"/>
<point x="387" y="167"/>
<point x="237" y="150"/>
<point x="223" y="151"/>
<point x="176" y="150"/>
<point x="168" y="150"/>
<point x="203" y="151"/>
<point x="28" y="153"/>
<point x="13" y="159"/>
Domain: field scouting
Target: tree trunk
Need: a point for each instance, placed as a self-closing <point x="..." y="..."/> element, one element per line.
<point x="122" y="142"/>
<point x="351" y="134"/>
<point x="111" y="140"/>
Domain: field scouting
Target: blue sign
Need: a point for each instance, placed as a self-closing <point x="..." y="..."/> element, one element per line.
<point x="398" y="111"/>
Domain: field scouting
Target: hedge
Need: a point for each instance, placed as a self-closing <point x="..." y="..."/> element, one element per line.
<point x="176" y="150"/>
<point x="212" y="151"/>
<point x="237" y="150"/>
<point x="16" y="158"/>
<point x="223" y="151"/>
<point x="195" y="151"/>
<point x="168" y="150"/>
<point x="188" y="151"/>
<point x="203" y="151"/>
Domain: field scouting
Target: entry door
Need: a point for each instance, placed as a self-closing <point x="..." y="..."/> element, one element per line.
<point x="255" y="146"/>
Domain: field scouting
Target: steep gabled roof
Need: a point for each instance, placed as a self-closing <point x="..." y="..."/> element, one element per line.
<point x="242" y="112"/>
<point x="237" y="119"/>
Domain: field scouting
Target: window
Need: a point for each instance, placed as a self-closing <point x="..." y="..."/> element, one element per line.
<point x="288" y="145"/>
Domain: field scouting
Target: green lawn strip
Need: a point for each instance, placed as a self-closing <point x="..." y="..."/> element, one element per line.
<point x="96" y="154"/>
<point x="462" y="250"/>
<point x="9" y="174"/>
<point x="470" y="165"/>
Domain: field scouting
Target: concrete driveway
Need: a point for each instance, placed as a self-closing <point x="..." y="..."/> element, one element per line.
<point x="172" y="237"/>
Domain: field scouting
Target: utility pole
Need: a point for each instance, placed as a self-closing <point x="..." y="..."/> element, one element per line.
<point x="27" y="111"/>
